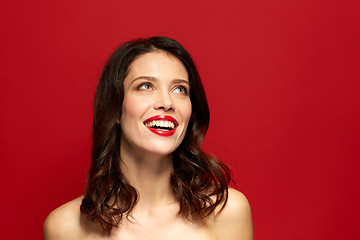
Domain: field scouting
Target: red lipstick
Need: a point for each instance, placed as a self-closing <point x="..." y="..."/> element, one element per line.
<point x="161" y="132"/>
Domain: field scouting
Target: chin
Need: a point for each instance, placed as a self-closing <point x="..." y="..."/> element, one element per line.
<point x="161" y="149"/>
<point x="151" y="145"/>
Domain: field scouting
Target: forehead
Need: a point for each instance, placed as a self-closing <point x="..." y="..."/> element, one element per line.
<point x="158" y="65"/>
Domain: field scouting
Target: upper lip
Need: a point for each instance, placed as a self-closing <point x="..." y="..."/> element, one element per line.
<point x="162" y="117"/>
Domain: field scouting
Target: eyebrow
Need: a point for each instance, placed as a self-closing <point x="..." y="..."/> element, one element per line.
<point x="153" y="79"/>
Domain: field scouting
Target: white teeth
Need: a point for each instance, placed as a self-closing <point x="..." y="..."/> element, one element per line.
<point x="165" y="124"/>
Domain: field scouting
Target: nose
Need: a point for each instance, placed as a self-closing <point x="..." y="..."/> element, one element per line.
<point x="164" y="102"/>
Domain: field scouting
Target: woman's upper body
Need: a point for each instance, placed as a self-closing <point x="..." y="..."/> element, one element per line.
<point x="233" y="223"/>
<point x="149" y="178"/>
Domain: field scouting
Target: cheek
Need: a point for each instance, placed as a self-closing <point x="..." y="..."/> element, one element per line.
<point x="130" y="109"/>
<point x="186" y="111"/>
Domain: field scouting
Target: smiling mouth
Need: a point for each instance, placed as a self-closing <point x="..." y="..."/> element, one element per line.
<point x="162" y="125"/>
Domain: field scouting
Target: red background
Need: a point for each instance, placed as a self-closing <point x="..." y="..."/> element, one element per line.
<point x="282" y="79"/>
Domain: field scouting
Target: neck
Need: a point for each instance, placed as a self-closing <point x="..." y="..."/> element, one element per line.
<point x="149" y="174"/>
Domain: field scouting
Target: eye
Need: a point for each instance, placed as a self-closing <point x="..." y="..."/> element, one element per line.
<point x="145" y="86"/>
<point x="180" y="89"/>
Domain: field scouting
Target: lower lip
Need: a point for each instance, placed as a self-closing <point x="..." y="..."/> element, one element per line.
<point x="162" y="132"/>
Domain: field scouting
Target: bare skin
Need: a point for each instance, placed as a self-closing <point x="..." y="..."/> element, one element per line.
<point x="162" y="222"/>
<point x="157" y="84"/>
<point x="155" y="217"/>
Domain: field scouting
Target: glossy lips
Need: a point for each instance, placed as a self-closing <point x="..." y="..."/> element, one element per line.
<point x="162" y="121"/>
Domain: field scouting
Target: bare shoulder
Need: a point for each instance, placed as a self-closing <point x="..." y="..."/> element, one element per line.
<point x="63" y="221"/>
<point x="234" y="221"/>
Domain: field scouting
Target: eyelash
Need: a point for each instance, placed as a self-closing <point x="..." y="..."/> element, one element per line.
<point x="181" y="87"/>
<point x="144" y="84"/>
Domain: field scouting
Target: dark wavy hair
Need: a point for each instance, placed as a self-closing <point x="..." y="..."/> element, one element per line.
<point x="200" y="181"/>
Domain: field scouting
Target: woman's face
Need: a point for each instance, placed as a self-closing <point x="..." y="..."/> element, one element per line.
<point x="157" y="107"/>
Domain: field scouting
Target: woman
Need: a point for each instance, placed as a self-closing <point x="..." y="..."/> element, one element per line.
<point x="148" y="177"/>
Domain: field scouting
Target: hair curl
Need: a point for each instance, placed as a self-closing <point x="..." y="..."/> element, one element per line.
<point x="200" y="182"/>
